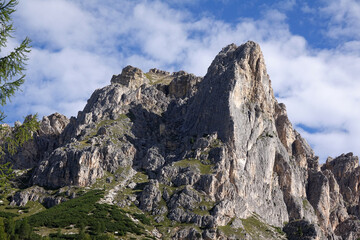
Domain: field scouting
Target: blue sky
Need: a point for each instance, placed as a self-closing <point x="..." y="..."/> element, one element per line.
<point x="311" y="49"/>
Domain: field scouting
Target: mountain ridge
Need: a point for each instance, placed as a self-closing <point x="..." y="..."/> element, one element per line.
<point x="215" y="151"/>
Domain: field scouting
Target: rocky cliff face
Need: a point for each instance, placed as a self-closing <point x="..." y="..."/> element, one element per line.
<point x="217" y="152"/>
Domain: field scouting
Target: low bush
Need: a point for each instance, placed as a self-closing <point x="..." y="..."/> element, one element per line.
<point x="85" y="211"/>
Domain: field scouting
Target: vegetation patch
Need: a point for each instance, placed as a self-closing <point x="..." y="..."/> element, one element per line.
<point x="86" y="212"/>
<point x="203" y="208"/>
<point x="101" y="183"/>
<point x="306" y="204"/>
<point x="116" y="128"/>
<point x="170" y="189"/>
<point x="192" y="162"/>
<point x="8" y="215"/>
<point x="267" y="135"/>
<point x="158" y="78"/>
<point x="200" y="212"/>
<point x="151" y="79"/>
<point x="140" y="177"/>
<point x="7" y="211"/>
<point x="259" y="230"/>
<point x="216" y="143"/>
<point x="168" y="227"/>
<point x="207" y="205"/>
<point x="142" y="218"/>
<point x="229" y="231"/>
<point x="279" y="230"/>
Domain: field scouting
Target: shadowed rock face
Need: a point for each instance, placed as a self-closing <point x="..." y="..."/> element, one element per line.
<point x="218" y="150"/>
<point x="45" y="141"/>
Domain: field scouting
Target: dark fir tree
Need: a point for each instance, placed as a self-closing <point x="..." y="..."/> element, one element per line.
<point x="24" y="229"/>
<point x="12" y="67"/>
<point x="3" y="235"/>
<point x="10" y="227"/>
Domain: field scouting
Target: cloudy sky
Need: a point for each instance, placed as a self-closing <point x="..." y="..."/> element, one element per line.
<point x="311" y="49"/>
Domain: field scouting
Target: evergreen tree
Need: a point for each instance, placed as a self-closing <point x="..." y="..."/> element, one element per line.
<point x="12" y="77"/>
<point x="97" y="228"/>
<point x="6" y="173"/>
<point x="13" y="64"/>
<point x="81" y="231"/>
<point x="25" y="229"/>
<point x="102" y="227"/>
<point x="10" y="227"/>
<point x="3" y="235"/>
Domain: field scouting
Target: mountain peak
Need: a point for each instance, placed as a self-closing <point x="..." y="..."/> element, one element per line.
<point x="236" y="80"/>
<point x="131" y="77"/>
<point x="215" y="152"/>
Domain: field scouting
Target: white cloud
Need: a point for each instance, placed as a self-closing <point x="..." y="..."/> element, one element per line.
<point x="307" y="9"/>
<point x="79" y="44"/>
<point x="320" y="89"/>
<point x="286" y="5"/>
<point x="352" y="47"/>
<point x="344" y="18"/>
<point x="57" y="23"/>
<point x="58" y="80"/>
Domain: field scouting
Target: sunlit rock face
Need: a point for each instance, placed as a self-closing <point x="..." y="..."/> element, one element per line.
<point x="216" y="151"/>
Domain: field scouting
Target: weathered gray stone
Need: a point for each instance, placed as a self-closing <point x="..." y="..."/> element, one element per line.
<point x="187" y="199"/>
<point x="216" y="149"/>
<point x="130" y="77"/>
<point x="186" y="177"/>
<point x="36" y="194"/>
<point x="150" y="196"/>
<point x="183" y="85"/>
<point x="153" y="159"/>
<point x="349" y="229"/>
<point x="187" y="233"/>
<point x="132" y="185"/>
<point x="109" y="179"/>
<point x="44" y="141"/>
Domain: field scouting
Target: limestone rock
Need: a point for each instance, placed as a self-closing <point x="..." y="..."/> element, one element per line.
<point x="46" y="140"/>
<point x="153" y="159"/>
<point x="53" y="124"/>
<point x="130" y="77"/>
<point x="186" y="199"/>
<point x="36" y="194"/>
<point x="187" y="233"/>
<point x="212" y="152"/>
<point x="183" y="85"/>
<point x="150" y="196"/>
<point x="346" y="173"/>
<point x="349" y="229"/>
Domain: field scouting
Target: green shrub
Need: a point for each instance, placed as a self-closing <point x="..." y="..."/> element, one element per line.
<point x="85" y="211"/>
<point x="8" y="215"/>
<point x="142" y="218"/>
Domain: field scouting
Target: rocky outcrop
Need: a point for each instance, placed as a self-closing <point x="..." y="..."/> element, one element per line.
<point x="130" y="77"/>
<point x="343" y="175"/>
<point x="46" y="197"/>
<point x="44" y="141"/>
<point x="217" y="152"/>
<point x="183" y="85"/>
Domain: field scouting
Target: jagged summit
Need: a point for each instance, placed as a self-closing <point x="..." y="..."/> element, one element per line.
<point x="217" y="152"/>
<point x="236" y="79"/>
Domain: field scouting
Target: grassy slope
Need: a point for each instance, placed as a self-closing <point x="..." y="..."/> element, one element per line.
<point x="85" y="212"/>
